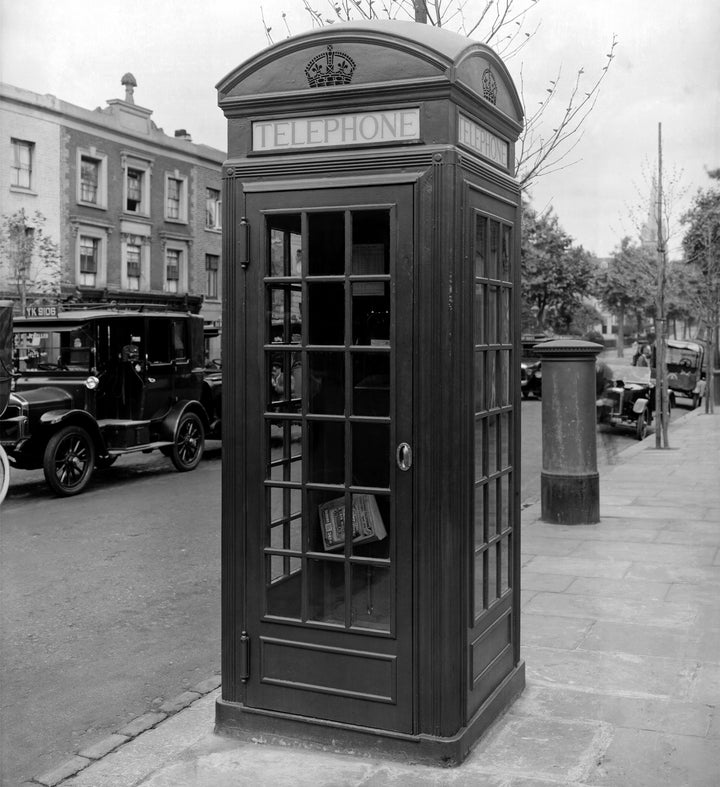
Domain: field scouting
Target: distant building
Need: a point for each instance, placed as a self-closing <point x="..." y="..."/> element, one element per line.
<point x="135" y="212"/>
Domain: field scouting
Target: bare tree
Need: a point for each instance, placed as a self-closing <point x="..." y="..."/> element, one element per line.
<point x="553" y="121"/>
<point x="29" y="256"/>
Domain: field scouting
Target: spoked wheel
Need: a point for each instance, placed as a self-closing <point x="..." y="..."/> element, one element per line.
<point x="69" y="461"/>
<point x="189" y="445"/>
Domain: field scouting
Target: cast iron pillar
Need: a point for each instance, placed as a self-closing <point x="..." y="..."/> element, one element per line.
<point x="569" y="482"/>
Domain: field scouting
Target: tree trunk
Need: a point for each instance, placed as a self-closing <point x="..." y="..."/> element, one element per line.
<point x="620" y="338"/>
<point x="420" y="11"/>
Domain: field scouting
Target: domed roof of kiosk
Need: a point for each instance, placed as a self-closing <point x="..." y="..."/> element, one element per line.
<point x="381" y="52"/>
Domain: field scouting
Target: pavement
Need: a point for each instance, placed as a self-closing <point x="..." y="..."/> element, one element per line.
<point x="620" y="637"/>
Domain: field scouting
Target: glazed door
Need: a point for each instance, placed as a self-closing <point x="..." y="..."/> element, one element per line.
<point x="329" y="493"/>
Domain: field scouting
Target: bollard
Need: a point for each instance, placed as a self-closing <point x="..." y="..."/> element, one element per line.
<point x="569" y="481"/>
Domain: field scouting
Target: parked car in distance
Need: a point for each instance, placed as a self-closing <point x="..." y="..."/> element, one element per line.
<point x="91" y="385"/>
<point x="531" y="365"/>
<point x="626" y="398"/>
<point x="685" y="372"/>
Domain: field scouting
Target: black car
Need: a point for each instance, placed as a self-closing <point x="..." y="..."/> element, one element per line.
<point x="92" y="385"/>
<point x="531" y="366"/>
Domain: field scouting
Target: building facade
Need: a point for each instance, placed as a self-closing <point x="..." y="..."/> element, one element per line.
<point x="134" y="212"/>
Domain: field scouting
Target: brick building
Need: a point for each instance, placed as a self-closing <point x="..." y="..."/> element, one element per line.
<point x="134" y="212"/>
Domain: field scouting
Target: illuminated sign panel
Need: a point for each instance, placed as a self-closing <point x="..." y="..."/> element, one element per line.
<point x="361" y="128"/>
<point x="482" y="141"/>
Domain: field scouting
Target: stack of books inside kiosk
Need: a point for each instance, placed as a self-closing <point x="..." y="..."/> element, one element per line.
<point x="367" y="524"/>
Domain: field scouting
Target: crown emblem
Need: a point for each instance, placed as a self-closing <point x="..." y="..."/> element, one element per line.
<point x="489" y="86"/>
<point x="330" y="68"/>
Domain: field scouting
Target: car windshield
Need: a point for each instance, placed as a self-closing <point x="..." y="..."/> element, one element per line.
<point x="65" y="349"/>
<point x="683" y="355"/>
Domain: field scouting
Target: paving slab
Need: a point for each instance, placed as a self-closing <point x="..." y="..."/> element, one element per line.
<point x="579" y="566"/>
<point x="643" y="758"/>
<point x="681" y="717"/>
<point x="554" y="631"/>
<point x="614" y="609"/>
<point x="607" y="673"/>
<point x="638" y="589"/>
<point x="641" y="640"/>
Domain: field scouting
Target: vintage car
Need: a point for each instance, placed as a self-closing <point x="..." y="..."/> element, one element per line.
<point x="628" y="400"/>
<point x="685" y="374"/>
<point x="91" y="385"/>
<point x="531" y="366"/>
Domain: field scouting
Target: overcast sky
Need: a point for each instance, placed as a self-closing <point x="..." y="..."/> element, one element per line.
<point x="666" y="70"/>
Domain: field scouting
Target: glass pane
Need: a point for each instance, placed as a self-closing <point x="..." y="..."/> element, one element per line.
<point x="371" y="383"/>
<point x="491" y="385"/>
<point x="504" y="504"/>
<point x="326" y="452"/>
<point x="505" y="315"/>
<point x="480" y="443"/>
<point x="326" y="240"/>
<point x="326" y="373"/>
<point x="503" y="371"/>
<point x="371" y="597"/>
<point x="480" y="529"/>
<point x="285" y="506"/>
<point x="505" y="254"/>
<point x="493" y="297"/>
<point x="370" y="242"/>
<point x="492" y="569"/>
<point x="492" y="441"/>
<point x="504" y="440"/>
<point x="284" y="313"/>
<point x="492" y="265"/>
<point x="480" y="237"/>
<point x="283" y="391"/>
<point x="505" y="544"/>
<point x="284" y="460"/>
<point x="284" y="586"/>
<point x="371" y="524"/>
<point x="326" y="313"/>
<point x="492" y="507"/>
<point x="371" y="313"/>
<point x="479" y="314"/>
<point x="371" y="454"/>
<point x="479" y="594"/>
<point x="480" y="381"/>
<point x="326" y="591"/>
<point x="285" y="245"/>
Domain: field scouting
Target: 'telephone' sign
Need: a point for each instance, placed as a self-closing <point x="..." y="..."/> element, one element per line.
<point x="362" y="128"/>
<point x="482" y="141"/>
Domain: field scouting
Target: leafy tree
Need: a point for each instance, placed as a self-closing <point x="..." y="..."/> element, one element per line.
<point x="626" y="286"/>
<point x="701" y="245"/>
<point x="556" y="276"/>
<point x="553" y="120"/>
<point x="30" y="258"/>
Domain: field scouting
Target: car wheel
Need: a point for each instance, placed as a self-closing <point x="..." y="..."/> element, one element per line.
<point x="641" y="427"/>
<point x="4" y="474"/>
<point x="187" y="450"/>
<point x="69" y="461"/>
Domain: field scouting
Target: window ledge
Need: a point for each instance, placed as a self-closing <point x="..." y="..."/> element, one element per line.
<point x="23" y="190"/>
<point x="176" y="221"/>
<point x="91" y="205"/>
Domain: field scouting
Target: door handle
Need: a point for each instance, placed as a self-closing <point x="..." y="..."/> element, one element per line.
<point x="404" y="457"/>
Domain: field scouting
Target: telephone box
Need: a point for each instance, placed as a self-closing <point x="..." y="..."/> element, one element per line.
<point x="371" y="436"/>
